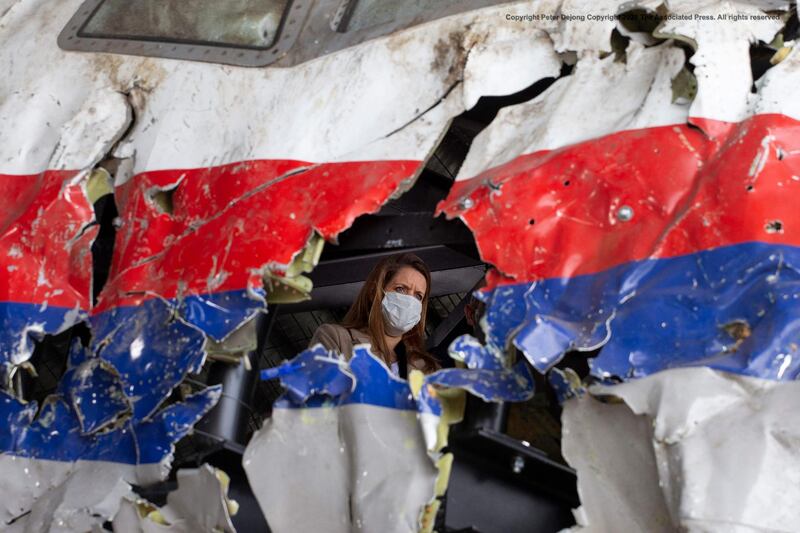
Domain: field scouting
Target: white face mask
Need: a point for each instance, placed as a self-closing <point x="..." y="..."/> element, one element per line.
<point x="401" y="312"/>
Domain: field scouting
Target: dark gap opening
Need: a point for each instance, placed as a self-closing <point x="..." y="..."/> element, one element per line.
<point x="762" y="53"/>
<point x="619" y="46"/>
<point x="792" y="29"/>
<point x="106" y="214"/>
<point x="406" y="223"/>
<point x="639" y="21"/>
<point x="49" y="360"/>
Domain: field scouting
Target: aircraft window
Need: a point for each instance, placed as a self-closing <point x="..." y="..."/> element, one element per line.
<point x="238" y="32"/>
<point x="232" y="22"/>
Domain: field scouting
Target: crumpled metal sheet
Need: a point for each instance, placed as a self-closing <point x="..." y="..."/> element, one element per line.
<point x="658" y="230"/>
<point x="60" y="466"/>
<point x="44" y="243"/>
<point x="46" y="229"/>
<point x="687" y="449"/>
<point x="358" y="459"/>
<point x="313" y="372"/>
<point x="374" y="440"/>
<point x="200" y="503"/>
<point x="105" y="427"/>
<point x="150" y="349"/>
<point x="218" y="183"/>
<point x="487" y="375"/>
<point x="67" y="499"/>
<point x="490" y="72"/>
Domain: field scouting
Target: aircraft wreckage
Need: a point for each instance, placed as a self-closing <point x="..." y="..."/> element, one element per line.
<point x="176" y="176"/>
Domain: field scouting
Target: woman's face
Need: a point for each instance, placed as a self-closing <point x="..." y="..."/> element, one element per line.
<point x="407" y="280"/>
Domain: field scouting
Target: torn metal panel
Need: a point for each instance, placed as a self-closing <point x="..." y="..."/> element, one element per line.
<point x="486" y="376"/>
<point x="665" y="244"/>
<point x="66" y="465"/>
<point x="200" y="503"/>
<point x="366" y="440"/>
<point x="63" y="477"/>
<point x="312" y="373"/>
<point x="45" y="250"/>
<point x="167" y="253"/>
<point x="375" y="436"/>
<point x="722" y="56"/>
<point x="617" y="96"/>
<point x="56" y="434"/>
<point x="489" y="72"/>
<point x="618" y="483"/>
<point x="47" y="217"/>
<point x="86" y="498"/>
<point x="665" y="459"/>
<point x="150" y="348"/>
<point x="708" y="252"/>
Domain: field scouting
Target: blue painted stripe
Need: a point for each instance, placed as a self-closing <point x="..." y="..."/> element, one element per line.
<point x="150" y="348"/>
<point x="20" y="324"/>
<point x="137" y="356"/>
<point x="733" y="308"/>
<point x="316" y="378"/>
<point x="156" y="344"/>
<point x="56" y="435"/>
<point x="220" y="313"/>
<point x="368" y="381"/>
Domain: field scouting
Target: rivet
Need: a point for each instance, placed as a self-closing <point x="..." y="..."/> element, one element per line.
<point x="625" y="213"/>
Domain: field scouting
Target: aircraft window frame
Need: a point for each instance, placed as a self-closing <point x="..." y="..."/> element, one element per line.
<point x="72" y="38"/>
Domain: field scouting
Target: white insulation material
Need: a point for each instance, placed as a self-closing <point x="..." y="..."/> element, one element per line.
<point x="687" y="449"/>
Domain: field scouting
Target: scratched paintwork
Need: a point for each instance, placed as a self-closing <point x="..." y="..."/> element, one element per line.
<point x="218" y="184"/>
<point x="224" y="174"/>
<point x="652" y="228"/>
<point x="352" y="416"/>
<point x="660" y="231"/>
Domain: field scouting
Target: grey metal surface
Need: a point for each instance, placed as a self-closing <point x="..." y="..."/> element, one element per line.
<point x="308" y="29"/>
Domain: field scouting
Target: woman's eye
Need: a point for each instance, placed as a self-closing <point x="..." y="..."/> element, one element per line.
<point x="419" y="297"/>
<point x="401" y="290"/>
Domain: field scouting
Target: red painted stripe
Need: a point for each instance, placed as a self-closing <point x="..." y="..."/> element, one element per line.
<point x="553" y="214"/>
<point x="228" y="221"/>
<point x="45" y="252"/>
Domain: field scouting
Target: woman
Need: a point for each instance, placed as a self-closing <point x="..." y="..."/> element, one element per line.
<point x="389" y="314"/>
